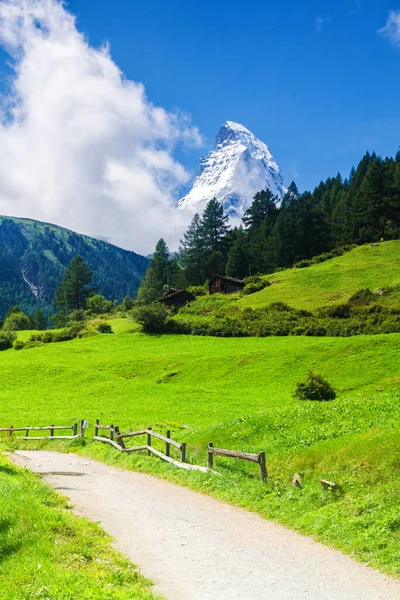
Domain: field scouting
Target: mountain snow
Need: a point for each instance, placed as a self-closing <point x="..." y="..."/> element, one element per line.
<point x="239" y="166"/>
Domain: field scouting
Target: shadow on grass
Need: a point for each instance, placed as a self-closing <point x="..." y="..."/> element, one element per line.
<point x="7" y="548"/>
<point x="8" y="470"/>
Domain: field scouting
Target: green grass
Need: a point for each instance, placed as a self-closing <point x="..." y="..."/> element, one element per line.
<point x="237" y="392"/>
<point x="47" y="553"/>
<point x="333" y="281"/>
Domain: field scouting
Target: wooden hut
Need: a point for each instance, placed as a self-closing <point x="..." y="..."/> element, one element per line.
<point x="225" y="285"/>
<point x="177" y="298"/>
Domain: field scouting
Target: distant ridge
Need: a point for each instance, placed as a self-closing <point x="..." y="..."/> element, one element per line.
<point x="34" y="254"/>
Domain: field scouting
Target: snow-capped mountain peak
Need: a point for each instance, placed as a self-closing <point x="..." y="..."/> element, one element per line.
<point x="239" y="166"/>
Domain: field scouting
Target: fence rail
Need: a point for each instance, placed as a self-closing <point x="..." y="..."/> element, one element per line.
<point x="256" y="458"/>
<point x="116" y="439"/>
<point x="50" y="428"/>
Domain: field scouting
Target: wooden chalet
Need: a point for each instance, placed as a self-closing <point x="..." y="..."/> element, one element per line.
<point x="225" y="285"/>
<point x="177" y="298"/>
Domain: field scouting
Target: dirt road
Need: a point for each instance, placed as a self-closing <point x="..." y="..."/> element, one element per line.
<point x="196" y="548"/>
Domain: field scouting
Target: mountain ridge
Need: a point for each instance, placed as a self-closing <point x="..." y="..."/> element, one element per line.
<point x="34" y="254"/>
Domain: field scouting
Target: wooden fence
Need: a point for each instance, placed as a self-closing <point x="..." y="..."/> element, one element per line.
<point x="256" y="458"/>
<point x="116" y="439"/>
<point x="51" y="428"/>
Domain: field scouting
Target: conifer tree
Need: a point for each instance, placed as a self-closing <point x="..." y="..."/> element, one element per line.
<point x="74" y="289"/>
<point x="155" y="282"/>
<point x="192" y="256"/>
<point x="238" y="264"/>
<point x="213" y="230"/>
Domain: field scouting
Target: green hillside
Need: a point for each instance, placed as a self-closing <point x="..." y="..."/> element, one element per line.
<point x="369" y="266"/>
<point x="238" y="394"/>
<point x="33" y="256"/>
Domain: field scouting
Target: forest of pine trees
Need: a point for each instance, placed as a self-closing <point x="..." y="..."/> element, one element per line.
<point x="363" y="208"/>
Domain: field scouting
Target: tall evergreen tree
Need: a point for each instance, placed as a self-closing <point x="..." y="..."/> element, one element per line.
<point x="192" y="254"/>
<point x="74" y="289"/>
<point x="156" y="280"/>
<point x="238" y="264"/>
<point x="213" y="230"/>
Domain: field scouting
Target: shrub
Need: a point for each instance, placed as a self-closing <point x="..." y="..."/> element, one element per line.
<point x="364" y="296"/>
<point x="315" y="387"/>
<point x="98" y="305"/>
<point x="104" y="328"/>
<point x="152" y="317"/>
<point x="302" y="264"/>
<point x="7" y="339"/>
<point x="252" y="288"/>
<point x="198" y="290"/>
<point x="77" y="315"/>
<point x="19" y="345"/>
<point x="17" y="321"/>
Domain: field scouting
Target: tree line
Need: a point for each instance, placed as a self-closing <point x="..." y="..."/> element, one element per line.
<point x="278" y="233"/>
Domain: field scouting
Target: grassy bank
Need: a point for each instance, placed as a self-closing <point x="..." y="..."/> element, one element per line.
<point x="47" y="553"/>
<point x="333" y="281"/>
<point x="238" y="394"/>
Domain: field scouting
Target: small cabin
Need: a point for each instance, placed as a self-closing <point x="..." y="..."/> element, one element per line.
<point x="225" y="285"/>
<point x="177" y="298"/>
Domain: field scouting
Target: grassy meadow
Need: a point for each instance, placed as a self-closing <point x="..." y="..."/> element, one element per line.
<point x="237" y="393"/>
<point x="373" y="267"/>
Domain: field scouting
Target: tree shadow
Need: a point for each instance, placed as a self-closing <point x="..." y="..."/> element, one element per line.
<point x="7" y="548"/>
<point x="8" y="469"/>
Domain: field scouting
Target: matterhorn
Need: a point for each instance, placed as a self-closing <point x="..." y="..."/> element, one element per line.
<point x="239" y="166"/>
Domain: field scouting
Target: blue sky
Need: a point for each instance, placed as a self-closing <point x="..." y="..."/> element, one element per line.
<point x="95" y="137"/>
<point x="312" y="79"/>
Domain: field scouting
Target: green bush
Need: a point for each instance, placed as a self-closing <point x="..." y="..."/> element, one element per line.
<point x="19" y="345"/>
<point x="302" y="264"/>
<point x="98" y="305"/>
<point x="198" y="290"/>
<point x="17" y="321"/>
<point x="315" y="387"/>
<point x="7" y="339"/>
<point x="152" y="317"/>
<point x="104" y="328"/>
<point x="64" y="335"/>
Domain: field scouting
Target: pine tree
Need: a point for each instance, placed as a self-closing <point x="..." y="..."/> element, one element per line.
<point x="264" y="204"/>
<point x="192" y="256"/>
<point x="213" y="230"/>
<point x="156" y="280"/>
<point x="238" y="264"/>
<point x="74" y="289"/>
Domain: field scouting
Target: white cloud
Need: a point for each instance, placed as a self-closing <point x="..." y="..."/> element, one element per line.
<point x="392" y="27"/>
<point x="80" y="145"/>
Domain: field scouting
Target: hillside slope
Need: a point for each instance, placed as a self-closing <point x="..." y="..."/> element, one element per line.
<point x="374" y="267"/>
<point x="33" y="256"/>
<point x="238" y="393"/>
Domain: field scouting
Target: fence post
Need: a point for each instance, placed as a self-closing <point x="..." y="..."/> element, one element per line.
<point x="111" y="432"/>
<point x="263" y="466"/>
<point x="183" y="452"/>
<point x="96" y="429"/>
<point x="149" y="440"/>
<point x="27" y="432"/>
<point x="167" y="445"/>
<point x="52" y="430"/>
<point x="119" y="440"/>
<point x="75" y="429"/>
<point x="82" y="429"/>
<point x="210" y="457"/>
<point x="10" y="431"/>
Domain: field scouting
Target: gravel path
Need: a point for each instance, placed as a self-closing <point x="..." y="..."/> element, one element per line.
<point x="196" y="548"/>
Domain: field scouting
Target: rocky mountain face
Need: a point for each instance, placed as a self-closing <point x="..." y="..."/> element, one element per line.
<point x="239" y="166"/>
<point x="33" y="256"/>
